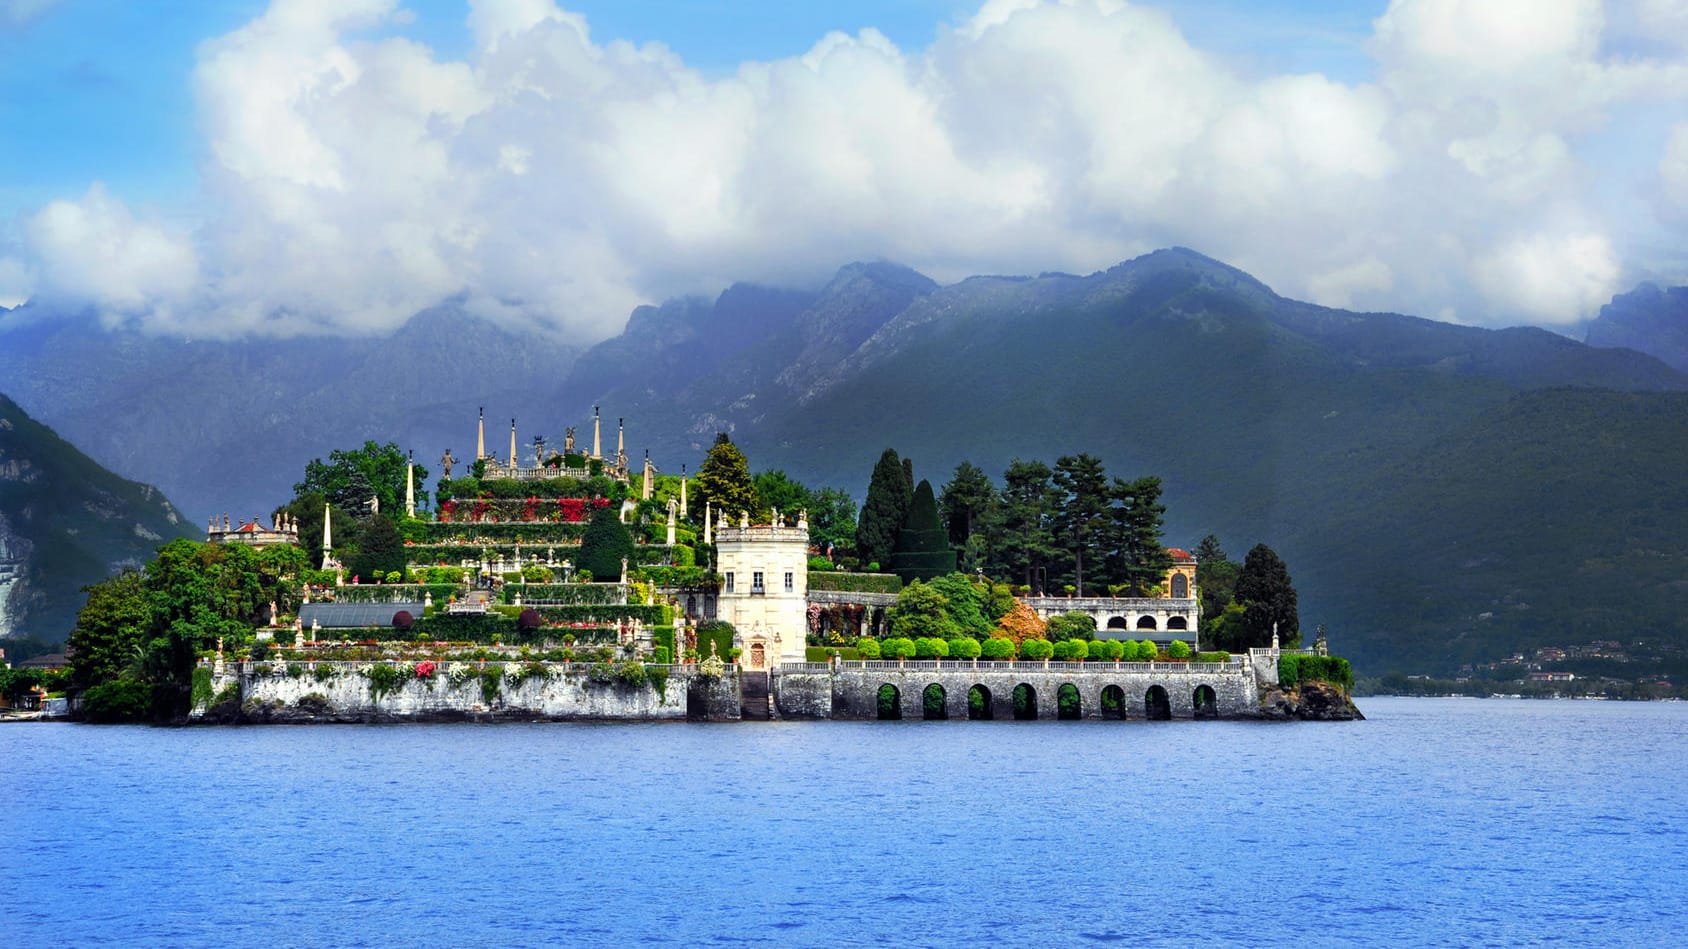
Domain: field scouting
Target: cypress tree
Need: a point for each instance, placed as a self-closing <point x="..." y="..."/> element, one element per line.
<point x="922" y="551"/>
<point x="605" y="542"/>
<point x="964" y="501"/>
<point x="1267" y="595"/>
<point x="883" y="513"/>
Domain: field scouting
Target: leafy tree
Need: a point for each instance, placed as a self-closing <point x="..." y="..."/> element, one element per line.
<point x="111" y="632"/>
<point x="922" y="551"/>
<point x="964" y="502"/>
<point x="832" y="519"/>
<point x="1020" y="624"/>
<point x="1073" y="625"/>
<point x="604" y="544"/>
<point x="966" y="603"/>
<point x="776" y="489"/>
<point x="922" y="611"/>
<point x="1224" y="630"/>
<point x="351" y="476"/>
<point x="380" y="550"/>
<point x="307" y="510"/>
<point x="1268" y="597"/>
<point x="888" y="498"/>
<point x="723" y="482"/>
<point x="1027" y="543"/>
<point x="1139" y="559"/>
<point x="1081" y="510"/>
<point x="897" y="647"/>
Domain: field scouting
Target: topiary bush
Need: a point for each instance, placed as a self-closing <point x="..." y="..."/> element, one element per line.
<point x="868" y="647"/>
<point x="1037" y="650"/>
<point x="997" y="649"/>
<point x="529" y="620"/>
<point x="1096" y="650"/>
<point x="897" y="647"/>
<point x="1178" y="649"/>
<point x="930" y="647"/>
<point x="1113" y="650"/>
<point x="964" y="647"/>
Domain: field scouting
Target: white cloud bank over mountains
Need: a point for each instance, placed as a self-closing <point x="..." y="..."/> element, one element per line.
<point x="352" y="178"/>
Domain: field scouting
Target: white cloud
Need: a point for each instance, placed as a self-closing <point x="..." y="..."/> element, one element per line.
<point x="94" y="251"/>
<point x="1673" y="169"/>
<point x="355" y="177"/>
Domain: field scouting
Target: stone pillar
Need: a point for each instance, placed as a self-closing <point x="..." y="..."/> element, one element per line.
<point x="620" y="439"/>
<point x="596" y="447"/>
<point x="671" y="523"/>
<point x="682" y="490"/>
<point x="513" y="461"/>
<point x="480" y="436"/>
<point x="708" y="524"/>
<point x="649" y="472"/>
<point x="327" y="534"/>
<point x="409" y="488"/>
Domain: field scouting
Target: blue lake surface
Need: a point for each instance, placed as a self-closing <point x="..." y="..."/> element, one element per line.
<point x="1438" y="822"/>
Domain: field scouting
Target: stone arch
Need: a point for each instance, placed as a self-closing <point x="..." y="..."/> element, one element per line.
<point x="1205" y="702"/>
<point x="1069" y="706"/>
<point x="1178" y="622"/>
<point x="1118" y="622"/>
<point x="1146" y="622"/>
<point x="1113" y="702"/>
<point x="1157" y="706"/>
<point x="932" y="703"/>
<point x="1180" y="587"/>
<point x="691" y="605"/>
<point x="979" y="704"/>
<point x="1025" y="702"/>
<point x="890" y="703"/>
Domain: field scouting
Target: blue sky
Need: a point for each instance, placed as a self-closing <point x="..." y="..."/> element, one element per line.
<point x="173" y="163"/>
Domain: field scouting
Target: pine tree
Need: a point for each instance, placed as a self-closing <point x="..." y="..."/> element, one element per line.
<point x="922" y="551"/>
<point x="888" y="497"/>
<point x="1268" y="597"/>
<point x="964" y="501"/>
<point x="380" y="550"/>
<point x="723" y="482"/>
<point x="1026" y="544"/>
<point x="604" y="544"/>
<point x="1216" y="576"/>
<point x="1081" y="513"/>
<point x="1139" y="559"/>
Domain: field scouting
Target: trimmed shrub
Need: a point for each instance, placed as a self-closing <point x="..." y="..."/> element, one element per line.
<point x="1096" y="650"/>
<point x="964" y="647"/>
<point x="1113" y="650"/>
<point x="897" y="647"/>
<point x="856" y="582"/>
<point x="1073" y="625"/>
<point x="1063" y="650"/>
<point x="997" y="649"/>
<point x="1178" y="649"/>
<point x="1218" y="656"/>
<point x="1037" y="650"/>
<point x="930" y="647"/>
<point x="824" y="653"/>
<point x="868" y="647"/>
<point x="719" y="632"/>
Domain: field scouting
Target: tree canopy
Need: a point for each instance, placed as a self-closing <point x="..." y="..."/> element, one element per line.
<point x="889" y="495"/>
<point x="605" y="543"/>
<point x="351" y="476"/>
<point x="723" y="482"/>
<point x="922" y="551"/>
<point x="1268" y="598"/>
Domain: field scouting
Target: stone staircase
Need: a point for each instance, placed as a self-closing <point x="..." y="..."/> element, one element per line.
<point x="756" y="703"/>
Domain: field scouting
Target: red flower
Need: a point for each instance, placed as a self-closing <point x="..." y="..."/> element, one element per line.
<point x="425" y="669"/>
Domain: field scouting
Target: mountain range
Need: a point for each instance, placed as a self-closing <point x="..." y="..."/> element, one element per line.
<point x="65" y="522"/>
<point x="1442" y="493"/>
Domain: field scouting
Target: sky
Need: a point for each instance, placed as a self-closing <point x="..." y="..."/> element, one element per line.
<point x="248" y="167"/>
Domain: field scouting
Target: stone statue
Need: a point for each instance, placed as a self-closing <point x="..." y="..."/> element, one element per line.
<point x="447" y="461"/>
<point x="568" y="440"/>
<point x="374" y="505"/>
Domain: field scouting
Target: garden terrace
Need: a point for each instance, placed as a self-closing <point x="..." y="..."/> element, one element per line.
<point x="463" y="492"/>
<point x="565" y="594"/>
<point x="855" y="582"/>
<point x="454" y="555"/>
<point x="522" y="532"/>
<point x="387" y="592"/>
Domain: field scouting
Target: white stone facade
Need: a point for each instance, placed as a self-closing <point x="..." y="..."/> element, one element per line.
<point x="764" y="591"/>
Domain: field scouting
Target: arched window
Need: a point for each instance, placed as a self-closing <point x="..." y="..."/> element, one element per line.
<point x="1178" y="622"/>
<point x="1146" y="622"/>
<point x="1180" y="587"/>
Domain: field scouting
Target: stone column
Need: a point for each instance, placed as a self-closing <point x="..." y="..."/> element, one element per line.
<point x="409" y="488"/>
<point x="480" y="436"/>
<point x="682" y="490"/>
<point x="671" y="523"/>
<point x="596" y="450"/>
<point x="513" y="461"/>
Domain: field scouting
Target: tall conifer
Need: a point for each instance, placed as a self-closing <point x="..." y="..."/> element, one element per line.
<point x="883" y="513"/>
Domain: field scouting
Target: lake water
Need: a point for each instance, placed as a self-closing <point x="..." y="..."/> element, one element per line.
<point x="1437" y="822"/>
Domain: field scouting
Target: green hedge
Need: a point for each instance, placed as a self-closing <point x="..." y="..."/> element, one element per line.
<point x="824" y="653"/>
<point x="856" y="582"/>
<point x="465" y="627"/>
<point x="469" y="489"/>
<point x="539" y="533"/>
<point x="425" y="555"/>
<point x="663" y="637"/>
<point x="1294" y="670"/>
<point x="722" y="635"/>
<point x="394" y="592"/>
<point x="686" y="578"/>
<point x="572" y="594"/>
<point x="659" y="615"/>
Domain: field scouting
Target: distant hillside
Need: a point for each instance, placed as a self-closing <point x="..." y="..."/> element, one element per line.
<point x="227" y="426"/>
<point x="65" y="522"/>
<point x="1647" y="320"/>
<point x="1375" y="451"/>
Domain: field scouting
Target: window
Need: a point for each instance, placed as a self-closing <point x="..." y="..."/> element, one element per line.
<point x="729" y="579"/>
<point x="756" y="582"/>
<point x="789" y="586"/>
<point x="1180" y="587"/>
